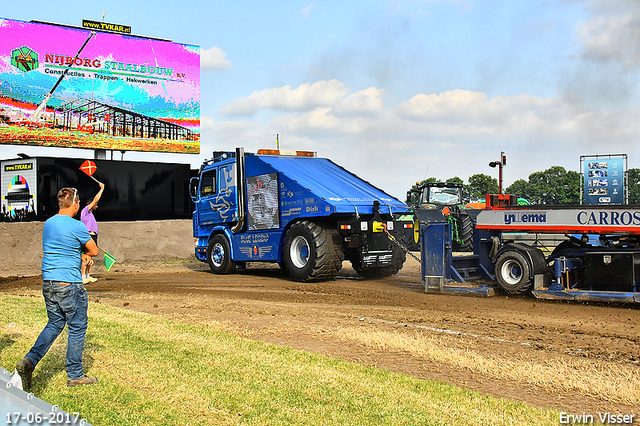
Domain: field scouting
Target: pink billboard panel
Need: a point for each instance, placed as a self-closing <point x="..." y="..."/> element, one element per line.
<point x="72" y="87"/>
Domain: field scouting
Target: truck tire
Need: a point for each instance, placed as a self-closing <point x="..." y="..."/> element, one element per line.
<point x="513" y="272"/>
<point x="219" y="255"/>
<point x="399" y="257"/>
<point x="311" y="252"/>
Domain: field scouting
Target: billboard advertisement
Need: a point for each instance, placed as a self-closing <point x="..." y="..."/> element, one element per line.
<point x="73" y="87"/>
<point x="603" y="179"/>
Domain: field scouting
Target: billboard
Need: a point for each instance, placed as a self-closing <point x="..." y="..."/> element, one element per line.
<point x="603" y="179"/>
<point x="73" y="87"/>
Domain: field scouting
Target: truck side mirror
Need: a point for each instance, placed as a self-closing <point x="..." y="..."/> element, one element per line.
<point x="194" y="183"/>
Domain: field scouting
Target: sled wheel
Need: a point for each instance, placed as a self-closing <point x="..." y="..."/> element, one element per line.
<point x="512" y="272"/>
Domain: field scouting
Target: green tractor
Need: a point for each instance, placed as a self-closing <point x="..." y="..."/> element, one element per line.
<point x="448" y="198"/>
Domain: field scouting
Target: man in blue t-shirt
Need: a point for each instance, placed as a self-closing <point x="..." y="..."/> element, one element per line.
<point x="66" y="244"/>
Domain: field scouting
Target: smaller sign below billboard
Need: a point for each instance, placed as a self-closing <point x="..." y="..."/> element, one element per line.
<point x="19" y="195"/>
<point x="604" y="179"/>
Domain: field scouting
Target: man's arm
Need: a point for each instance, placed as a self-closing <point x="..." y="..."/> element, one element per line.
<point x="97" y="197"/>
<point x="90" y="248"/>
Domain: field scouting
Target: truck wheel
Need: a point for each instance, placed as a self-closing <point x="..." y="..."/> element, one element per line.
<point x="312" y="253"/>
<point x="219" y="255"/>
<point x="512" y="272"/>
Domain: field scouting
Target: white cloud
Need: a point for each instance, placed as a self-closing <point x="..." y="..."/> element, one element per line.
<point x="452" y="133"/>
<point x="450" y="105"/>
<point x="303" y="98"/>
<point x="464" y="112"/>
<point x="321" y="122"/>
<point x="214" y="59"/>
<point x="362" y="102"/>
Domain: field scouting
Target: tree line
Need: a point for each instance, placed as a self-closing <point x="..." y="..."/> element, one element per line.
<point x="555" y="185"/>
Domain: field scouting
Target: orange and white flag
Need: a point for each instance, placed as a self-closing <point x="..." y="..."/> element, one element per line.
<point x="89" y="167"/>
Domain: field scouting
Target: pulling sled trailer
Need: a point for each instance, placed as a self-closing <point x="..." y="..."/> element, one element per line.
<point x="577" y="268"/>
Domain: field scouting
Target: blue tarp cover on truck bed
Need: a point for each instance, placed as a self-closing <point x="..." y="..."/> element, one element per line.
<point x="334" y="184"/>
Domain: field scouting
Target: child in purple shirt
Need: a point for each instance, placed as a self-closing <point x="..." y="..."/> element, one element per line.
<point x="90" y="222"/>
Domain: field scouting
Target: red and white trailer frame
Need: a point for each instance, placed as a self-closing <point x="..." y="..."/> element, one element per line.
<point x="576" y="269"/>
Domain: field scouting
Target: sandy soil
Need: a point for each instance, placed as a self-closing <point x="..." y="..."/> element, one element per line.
<point x="262" y="303"/>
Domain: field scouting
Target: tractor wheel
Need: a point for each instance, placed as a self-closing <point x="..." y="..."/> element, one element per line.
<point x="465" y="233"/>
<point x="311" y="252"/>
<point x="399" y="257"/>
<point x="219" y="255"/>
<point x="512" y="272"/>
<point x="407" y="241"/>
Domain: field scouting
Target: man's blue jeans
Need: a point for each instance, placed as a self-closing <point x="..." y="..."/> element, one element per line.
<point x="66" y="304"/>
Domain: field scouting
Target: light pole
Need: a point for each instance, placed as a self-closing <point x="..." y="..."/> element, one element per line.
<point x="500" y="163"/>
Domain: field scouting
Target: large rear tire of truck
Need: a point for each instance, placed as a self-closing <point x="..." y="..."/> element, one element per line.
<point x="399" y="257"/>
<point x="311" y="252"/>
<point x="219" y="255"/>
<point x="513" y="272"/>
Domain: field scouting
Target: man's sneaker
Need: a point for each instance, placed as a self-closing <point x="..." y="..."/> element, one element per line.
<point x="86" y="380"/>
<point x="91" y="279"/>
<point x="25" y="370"/>
<point x="85" y="280"/>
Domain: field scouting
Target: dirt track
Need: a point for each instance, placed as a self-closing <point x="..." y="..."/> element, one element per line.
<point x="263" y="304"/>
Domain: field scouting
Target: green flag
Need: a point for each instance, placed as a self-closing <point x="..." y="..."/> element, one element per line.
<point x="108" y="261"/>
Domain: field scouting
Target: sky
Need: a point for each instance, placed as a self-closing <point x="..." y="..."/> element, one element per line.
<point x="397" y="91"/>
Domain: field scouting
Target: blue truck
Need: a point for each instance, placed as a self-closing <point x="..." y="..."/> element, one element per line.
<point x="306" y="213"/>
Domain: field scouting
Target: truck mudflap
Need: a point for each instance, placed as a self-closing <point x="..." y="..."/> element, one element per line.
<point x="376" y="259"/>
<point x="370" y="247"/>
<point x="379" y="264"/>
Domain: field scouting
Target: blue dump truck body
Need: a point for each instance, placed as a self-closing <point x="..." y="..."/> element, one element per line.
<point x="306" y="213"/>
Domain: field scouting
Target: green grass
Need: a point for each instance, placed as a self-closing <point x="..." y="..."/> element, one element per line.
<point x="155" y="371"/>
